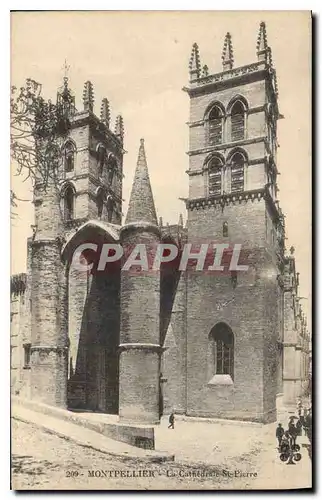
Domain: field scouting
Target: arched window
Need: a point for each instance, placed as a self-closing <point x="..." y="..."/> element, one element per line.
<point x="110" y="207"/>
<point x="101" y="155"/>
<point x="215" y="124"/>
<point x="221" y="340"/>
<point x="69" y="156"/>
<point x="111" y="168"/>
<point x="215" y="176"/>
<point x="68" y="197"/>
<point x="238" y="121"/>
<point x="100" y="199"/>
<point x="237" y="172"/>
<point x="225" y="229"/>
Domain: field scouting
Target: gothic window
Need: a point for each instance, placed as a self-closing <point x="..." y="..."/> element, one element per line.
<point x="237" y="121"/>
<point x="110" y="206"/>
<point x="111" y="166"/>
<point x="222" y="343"/>
<point x="225" y="229"/>
<point x="237" y="172"/>
<point x="215" y="176"/>
<point x="69" y="157"/>
<point x="27" y="355"/>
<point x="215" y="126"/>
<point x="100" y="198"/>
<point x="68" y="198"/>
<point x="101" y="154"/>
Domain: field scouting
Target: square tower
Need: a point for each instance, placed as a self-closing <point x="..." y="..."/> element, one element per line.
<point x="85" y="183"/>
<point x="233" y="325"/>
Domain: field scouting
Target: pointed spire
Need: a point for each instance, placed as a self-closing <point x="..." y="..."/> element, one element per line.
<point x="119" y="128"/>
<point x="180" y="223"/>
<point x="105" y="112"/>
<point x="262" y="47"/>
<point x="194" y="63"/>
<point x="88" y="96"/>
<point x="141" y="205"/>
<point x="227" y="53"/>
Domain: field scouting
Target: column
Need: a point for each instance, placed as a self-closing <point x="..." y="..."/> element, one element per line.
<point x="49" y="350"/>
<point x="140" y="350"/>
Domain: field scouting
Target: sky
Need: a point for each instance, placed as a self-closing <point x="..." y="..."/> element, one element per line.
<point x="139" y="61"/>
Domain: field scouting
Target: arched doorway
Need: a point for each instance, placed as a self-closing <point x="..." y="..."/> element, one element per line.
<point x="93" y="323"/>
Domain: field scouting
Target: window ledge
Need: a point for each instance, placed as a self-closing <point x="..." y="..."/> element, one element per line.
<point x="26" y="367"/>
<point x="221" y="380"/>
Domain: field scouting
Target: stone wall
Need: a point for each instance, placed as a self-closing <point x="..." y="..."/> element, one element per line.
<point x="174" y="343"/>
<point x="248" y="309"/>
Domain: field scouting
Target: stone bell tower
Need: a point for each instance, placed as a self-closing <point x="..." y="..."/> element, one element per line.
<point x="233" y="340"/>
<point x="86" y="185"/>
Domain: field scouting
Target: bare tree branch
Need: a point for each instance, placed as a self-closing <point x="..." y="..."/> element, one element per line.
<point x="37" y="129"/>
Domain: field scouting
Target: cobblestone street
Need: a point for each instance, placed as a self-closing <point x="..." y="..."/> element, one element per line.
<point x="45" y="461"/>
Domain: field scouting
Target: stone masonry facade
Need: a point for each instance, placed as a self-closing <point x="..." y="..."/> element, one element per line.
<point x="140" y="343"/>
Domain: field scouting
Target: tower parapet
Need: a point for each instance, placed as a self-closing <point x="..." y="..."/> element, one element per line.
<point x="201" y="80"/>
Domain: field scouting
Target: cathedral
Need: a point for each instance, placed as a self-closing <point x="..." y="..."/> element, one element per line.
<point x="141" y="344"/>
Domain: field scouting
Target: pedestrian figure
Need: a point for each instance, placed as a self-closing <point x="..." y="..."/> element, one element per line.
<point x="299" y="427"/>
<point x="308" y="425"/>
<point x="171" y="421"/>
<point x="292" y="432"/>
<point x="279" y="434"/>
<point x="299" y="407"/>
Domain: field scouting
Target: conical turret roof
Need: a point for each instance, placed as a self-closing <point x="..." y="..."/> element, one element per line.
<point x="141" y="205"/>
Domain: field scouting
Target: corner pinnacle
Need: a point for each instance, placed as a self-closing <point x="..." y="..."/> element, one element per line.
<point x="194" y="63"/>
<point x="227" y="53"/>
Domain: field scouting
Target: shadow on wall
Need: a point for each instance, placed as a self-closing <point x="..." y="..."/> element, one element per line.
<point x="93" y="383"/>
